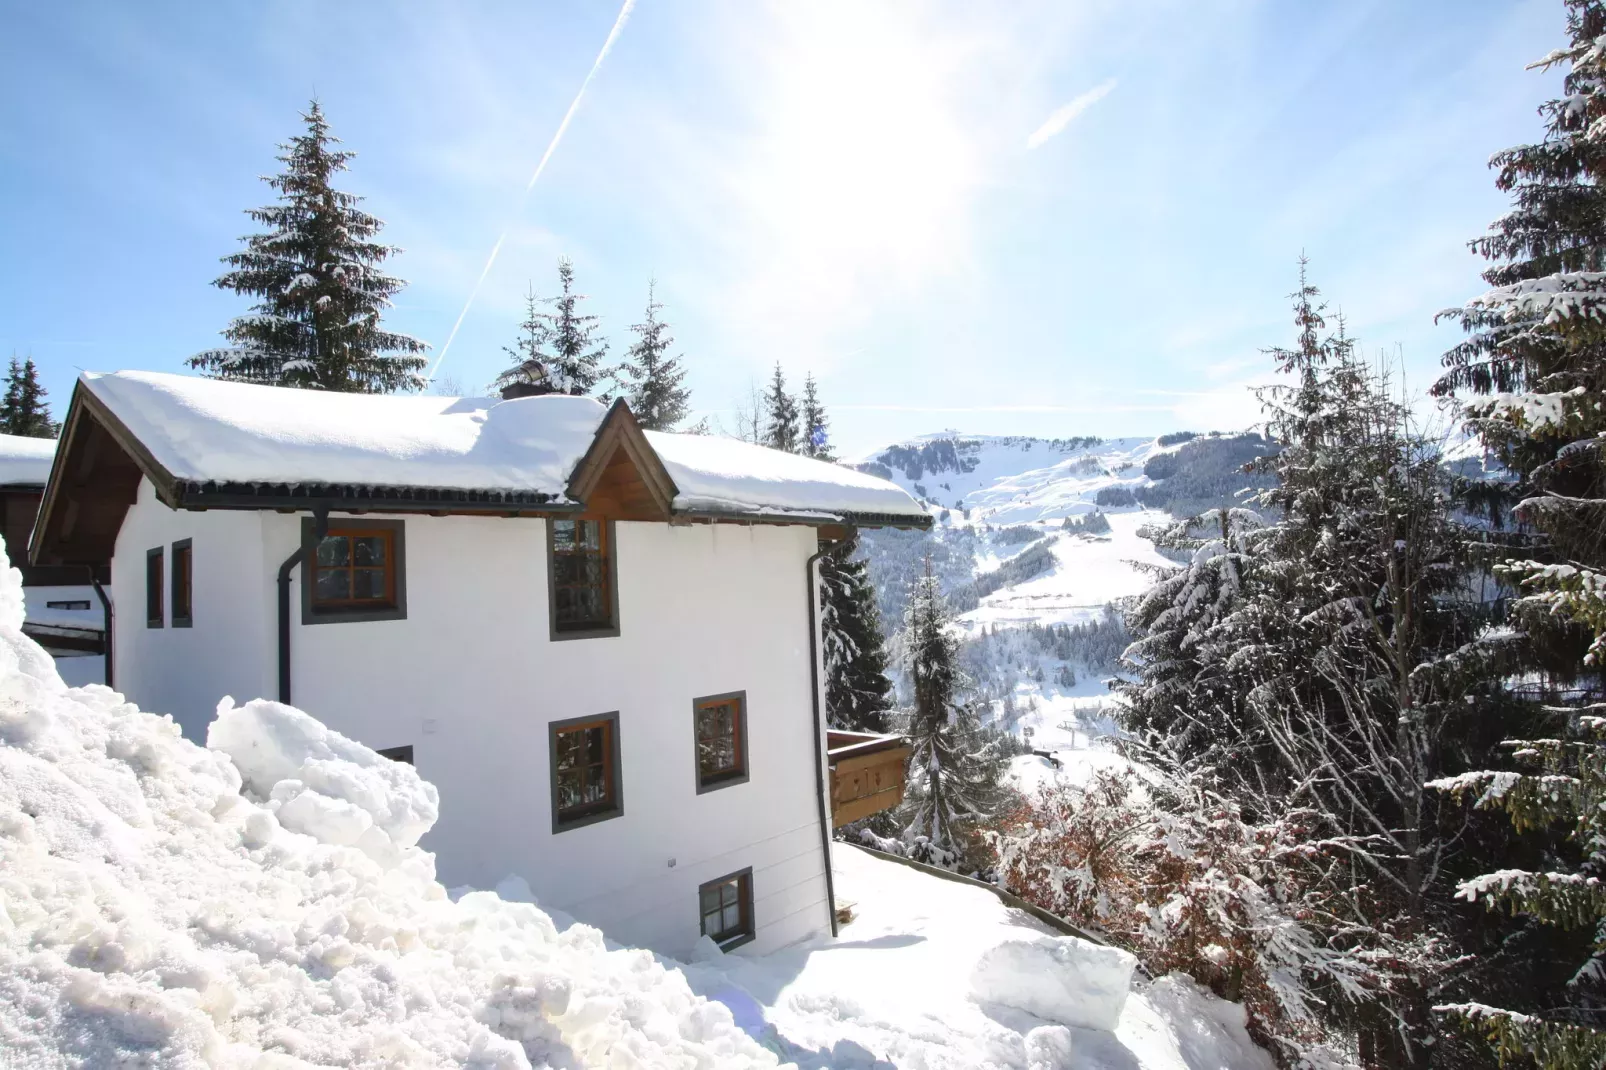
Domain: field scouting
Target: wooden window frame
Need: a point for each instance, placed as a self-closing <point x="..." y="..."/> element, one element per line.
<point x="155" y="587"/>
<point x="182" y="584"/>
<point x="610" y="550"/>
<point x="743" y="879"/>
<point x="396" y="609"/>
<point x="730" y="778"/>
<point x="613" y="769"/>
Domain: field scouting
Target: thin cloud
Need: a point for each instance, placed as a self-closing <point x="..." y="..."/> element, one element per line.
<point x="1063" y="115"/>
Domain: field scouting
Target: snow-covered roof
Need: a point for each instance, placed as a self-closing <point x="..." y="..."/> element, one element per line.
<point x="25" y="461"/>
<point x="716" y="475"/>
<point x="212" y="432"/>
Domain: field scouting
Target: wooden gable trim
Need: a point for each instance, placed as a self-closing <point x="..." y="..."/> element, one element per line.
<point x="622" y="467"/>
<point x="94" y="479"/>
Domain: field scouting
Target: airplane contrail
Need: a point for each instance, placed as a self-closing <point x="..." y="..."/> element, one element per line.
<point x="574" y="106"/>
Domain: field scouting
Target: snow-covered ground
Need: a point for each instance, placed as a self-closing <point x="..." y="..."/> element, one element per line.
<point x="931" y="974"/>
<point x="1090" y="572"/>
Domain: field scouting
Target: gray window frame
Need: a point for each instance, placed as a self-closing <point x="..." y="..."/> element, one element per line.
<point x="616" y="759"/>
<point x="354" y="616"/>
<point x="188" y="620"/>
<point x="745" y="877"/>
<point x="610" y="632"/>
<point x="732" y="779"/>
<point x="158" y="554"/>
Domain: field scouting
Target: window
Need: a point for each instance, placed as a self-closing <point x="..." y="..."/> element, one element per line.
<point x="726" y="906"/>
<point x="403" y="754"/>
<point x="585" y="771"/>
<point x="581" y="576"/>
<point x="356" y="572"/>
<point x="153" y="588"/>
<point x="182" y="571"/>
<point x="71" y="603"/>
<point x="720" y="724"/>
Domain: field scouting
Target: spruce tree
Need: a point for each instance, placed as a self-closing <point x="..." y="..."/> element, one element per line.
<point x="530" y="356"/>
<point x="318" y="286"/>
<point x="1531" y="381"/>
<point x="955" y="769"/>
<point x="815" y="441"/>
<point x="24" y="411"/>
<point x="576" y="365"/>
<point x="653" y="378"/>
<point x="781" y="416"/>
<point x="858" y="693"/>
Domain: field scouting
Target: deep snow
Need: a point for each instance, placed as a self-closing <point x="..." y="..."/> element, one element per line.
<point x="914" y="981"/>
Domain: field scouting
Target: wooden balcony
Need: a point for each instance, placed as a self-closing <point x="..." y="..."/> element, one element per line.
<point x="867" y="773"/>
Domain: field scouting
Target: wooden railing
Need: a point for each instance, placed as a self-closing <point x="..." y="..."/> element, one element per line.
<point x="867" y="773"/>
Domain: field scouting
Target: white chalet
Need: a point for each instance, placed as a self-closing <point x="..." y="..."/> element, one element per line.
<point x="599" y="642"/>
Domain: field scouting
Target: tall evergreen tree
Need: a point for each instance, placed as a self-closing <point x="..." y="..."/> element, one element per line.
<point x="1531" y="379"/>
<point x="653" y="378"/>
<point x="816" y="441"/>
<point x="24" y="411"/>
<point x="577" y="352"/>
<point x="858" y="693"/>
<point x="316" y="276"/>
<point x="529" y="350"/>
<point x="781" y="416"/>
<point x="955" y="769"/>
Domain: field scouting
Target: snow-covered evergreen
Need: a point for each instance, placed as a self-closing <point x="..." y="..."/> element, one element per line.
<point x="529" y="352"/>
<point x="558" y="350"/>
<point x="24" y="410"/>
<point x="815" y="440"/>
<point x="780" y="415"/>
<point x="858" y="694"/>
<point x="318" y="286"/>
<point x="653" y="379"/>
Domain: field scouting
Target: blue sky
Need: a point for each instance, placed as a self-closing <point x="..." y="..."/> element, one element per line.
<point x="1047" y="218"/>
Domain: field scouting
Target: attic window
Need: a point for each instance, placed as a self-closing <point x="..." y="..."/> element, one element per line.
<point x="581" y="575"/>
<point x="355" y="572"/>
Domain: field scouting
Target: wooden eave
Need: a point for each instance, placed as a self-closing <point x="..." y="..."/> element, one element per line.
<point x="621" y="476"/>
<point x="93" y="480"/>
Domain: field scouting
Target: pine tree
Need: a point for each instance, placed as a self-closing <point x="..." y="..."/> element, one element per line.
<point x="319" y="289"/>
<point x="955" y="769"/>
<point x="653" y="377"/>
<point x="576" y="365"/>
<point x="816" y="441"/>
<point x="858" y="693"/>
<point x="529" y="352"/>
<point x="780" y="427"/>
<point x="1531" y="377"/>
<point x="24" y="411"/>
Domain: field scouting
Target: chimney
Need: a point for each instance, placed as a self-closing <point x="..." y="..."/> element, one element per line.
<point x="524" y="390"/>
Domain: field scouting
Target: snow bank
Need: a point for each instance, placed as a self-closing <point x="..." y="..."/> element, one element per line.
<point x="151" y="914"/>
<point x="1059" y="979"/>
<point x="25" y="461"/>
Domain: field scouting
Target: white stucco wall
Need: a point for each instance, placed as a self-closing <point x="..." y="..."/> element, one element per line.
<point x="471" y="680"/>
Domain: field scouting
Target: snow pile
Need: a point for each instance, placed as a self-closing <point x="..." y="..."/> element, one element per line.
<point x="152" y="915"/>
<point x="320" y="783"/>
<point x="1059" y="979"/>
<point x="25" y="461"/>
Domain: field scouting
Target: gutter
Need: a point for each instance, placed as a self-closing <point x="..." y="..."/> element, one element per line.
<point x="320" y="527"/>
<point x="106" y="618"/>
<point x="811" y="580"/>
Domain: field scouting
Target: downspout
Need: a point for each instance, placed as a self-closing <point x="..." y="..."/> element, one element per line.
<point x="106" y="619"/>
<point x="812" y="583"/>
<point x="320" y="528"/>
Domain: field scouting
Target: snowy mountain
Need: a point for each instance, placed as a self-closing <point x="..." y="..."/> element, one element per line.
<point x="1035" y="540"/>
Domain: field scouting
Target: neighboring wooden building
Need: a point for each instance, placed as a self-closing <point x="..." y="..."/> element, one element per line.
<point x="599" y="642"/>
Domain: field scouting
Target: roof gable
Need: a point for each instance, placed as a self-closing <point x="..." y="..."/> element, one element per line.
<point x="620" y="476"/>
